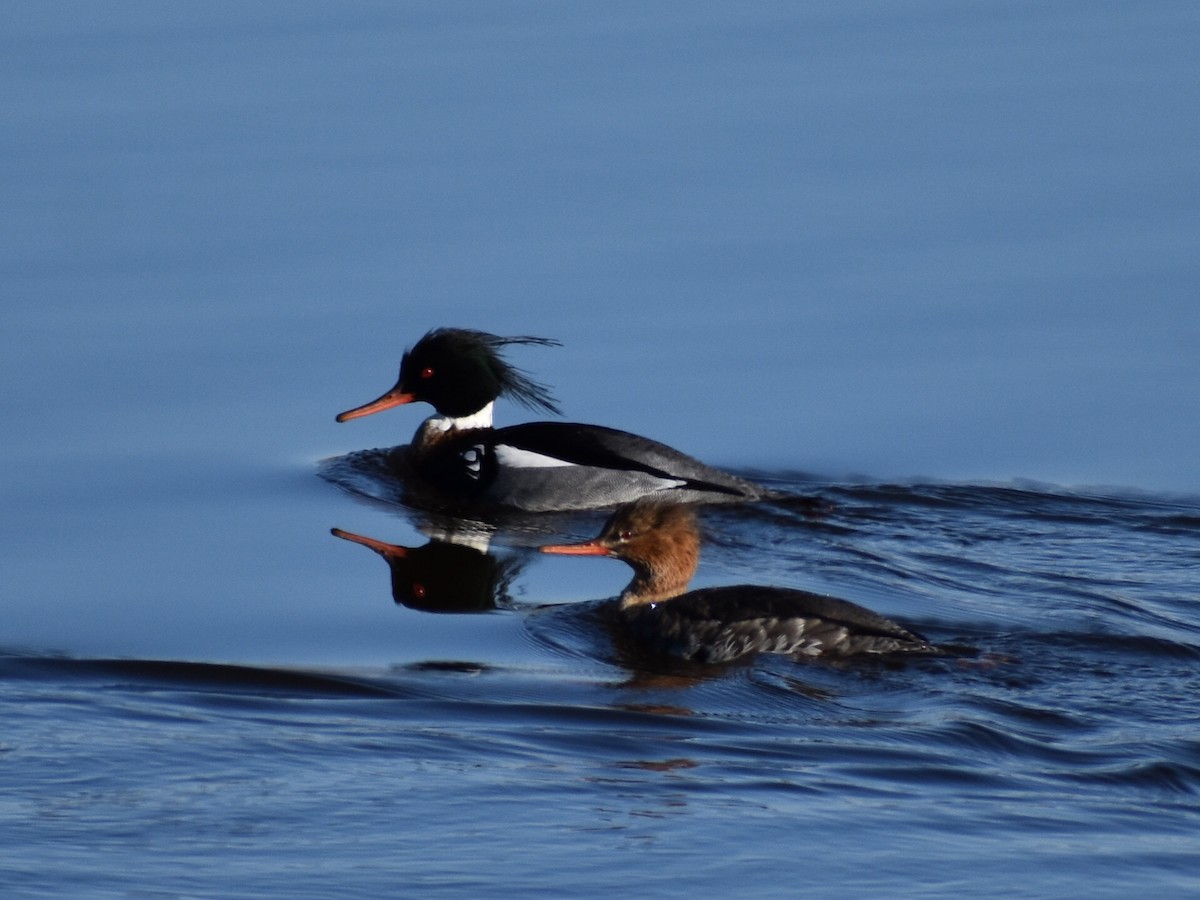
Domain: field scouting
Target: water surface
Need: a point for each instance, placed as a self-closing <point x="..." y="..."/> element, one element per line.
<point x="935" y="266"/>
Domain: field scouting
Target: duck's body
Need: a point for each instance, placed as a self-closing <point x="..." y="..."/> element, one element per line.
<point x="537" y="466"/>
<point x="722" y="624"/>
<point x="553" y="466"/>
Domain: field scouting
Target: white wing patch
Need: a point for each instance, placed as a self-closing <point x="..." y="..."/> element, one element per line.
<point x="474" y="460"/>
<point x="516" y="458"/>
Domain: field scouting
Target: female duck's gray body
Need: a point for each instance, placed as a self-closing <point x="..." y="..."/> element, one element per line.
<point x="537" y="466"/>
<point x="721" y="624"/>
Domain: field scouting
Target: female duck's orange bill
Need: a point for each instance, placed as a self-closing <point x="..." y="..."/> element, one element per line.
<point x="394" y="397"/>
<point x="589" y="548"/>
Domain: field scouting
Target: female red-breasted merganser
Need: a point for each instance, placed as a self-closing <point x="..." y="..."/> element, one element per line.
<point x="537" y="466"/>
<point x="661" y="542"/>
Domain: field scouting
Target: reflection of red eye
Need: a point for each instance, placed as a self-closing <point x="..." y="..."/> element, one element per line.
<point x="427" y="372"/>
<point x="419" y="591"/>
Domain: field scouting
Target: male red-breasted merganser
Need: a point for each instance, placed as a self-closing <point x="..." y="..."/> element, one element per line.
<point x="661" y="542"/>
<point x="537" y="466"/>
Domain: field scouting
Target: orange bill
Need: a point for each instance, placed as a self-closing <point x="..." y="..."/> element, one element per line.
<point x="589" y="548"/>
<point x="394" y="397"/>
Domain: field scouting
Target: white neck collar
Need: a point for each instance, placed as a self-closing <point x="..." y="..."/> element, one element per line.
<point x="481" y="419"/>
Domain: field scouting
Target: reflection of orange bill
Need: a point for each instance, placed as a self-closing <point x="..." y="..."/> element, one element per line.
<point x="383" y="549"/>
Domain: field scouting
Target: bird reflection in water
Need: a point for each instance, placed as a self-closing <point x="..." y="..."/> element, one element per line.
<point x="442" y="576"/>
<point x="662" y="634"/>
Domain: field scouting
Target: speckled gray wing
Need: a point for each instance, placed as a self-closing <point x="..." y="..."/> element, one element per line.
<point x="722" y="624"/>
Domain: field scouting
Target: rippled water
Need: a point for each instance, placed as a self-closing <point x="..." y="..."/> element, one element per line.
<point x="1066" y="750"/>
<point x="949" y="247"/>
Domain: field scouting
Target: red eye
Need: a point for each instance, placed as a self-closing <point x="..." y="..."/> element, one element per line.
<point x="419" y="591"/>
<point x="427" y="372"/>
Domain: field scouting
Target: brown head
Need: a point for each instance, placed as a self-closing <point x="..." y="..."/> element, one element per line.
<point x="660" y="541"/>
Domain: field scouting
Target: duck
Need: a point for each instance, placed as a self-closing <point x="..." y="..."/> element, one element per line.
<point x="714" y="625"/>
<point x="542" y="466"/>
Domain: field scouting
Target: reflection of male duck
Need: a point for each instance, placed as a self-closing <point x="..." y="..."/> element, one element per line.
<point x="720" y="624"/>
<point x="538" y="466"/>
<point x="441" y="576"/>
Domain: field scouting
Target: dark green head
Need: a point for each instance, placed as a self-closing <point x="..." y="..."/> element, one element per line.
<point x="458" y="372"/>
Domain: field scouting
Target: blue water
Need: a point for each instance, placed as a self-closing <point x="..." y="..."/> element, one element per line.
<point x="933" y="264"/>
